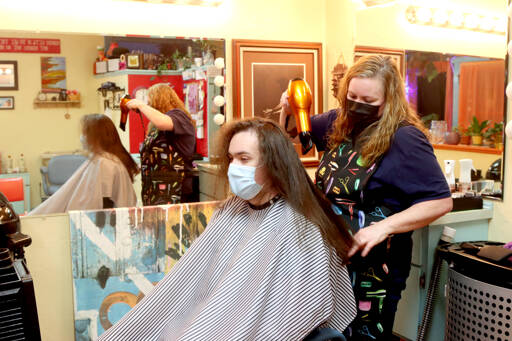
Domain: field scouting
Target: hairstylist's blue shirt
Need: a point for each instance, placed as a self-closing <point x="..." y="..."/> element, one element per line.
<point x="408" y="173"/>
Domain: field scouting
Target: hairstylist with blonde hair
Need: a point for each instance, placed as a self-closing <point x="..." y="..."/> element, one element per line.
<point x="381" y="175"/>
<point x="167" y="150"/>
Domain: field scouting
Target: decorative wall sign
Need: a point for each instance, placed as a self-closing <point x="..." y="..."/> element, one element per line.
<point x="53" y="72"/>
<point x="8" y="75"/>
<point x="29" y="45"/>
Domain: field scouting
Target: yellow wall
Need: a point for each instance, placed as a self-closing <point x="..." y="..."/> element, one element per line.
<point x="32" y="130"/>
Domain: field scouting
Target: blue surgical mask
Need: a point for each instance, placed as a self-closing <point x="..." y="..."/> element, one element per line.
<point x="242" y="182"/>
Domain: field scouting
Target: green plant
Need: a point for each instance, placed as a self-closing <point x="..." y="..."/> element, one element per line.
<point x="477" y="128"/>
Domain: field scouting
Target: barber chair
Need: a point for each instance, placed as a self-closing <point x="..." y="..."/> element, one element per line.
<point x="59" y="170"/>
<point x="12" y="188"/>
<point x="18" y="311"/>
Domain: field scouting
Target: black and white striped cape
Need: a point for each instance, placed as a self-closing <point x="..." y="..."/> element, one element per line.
<point x="252" y="275"/>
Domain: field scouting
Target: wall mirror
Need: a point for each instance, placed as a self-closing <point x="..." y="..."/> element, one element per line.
<point x="42" y="123"/>
<point x="461" y="93"/>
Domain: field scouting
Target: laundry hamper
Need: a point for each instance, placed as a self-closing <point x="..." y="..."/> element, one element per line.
<point x="479" y="296"/>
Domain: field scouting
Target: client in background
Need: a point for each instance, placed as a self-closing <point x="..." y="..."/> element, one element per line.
<point x="270" y="264"/>
<point x="107" y="176"/>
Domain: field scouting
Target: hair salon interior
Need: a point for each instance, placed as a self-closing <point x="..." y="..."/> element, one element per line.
<point x="82" y="270"/>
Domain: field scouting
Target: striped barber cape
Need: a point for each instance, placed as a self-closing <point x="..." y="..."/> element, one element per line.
<point x="254" y="274"/>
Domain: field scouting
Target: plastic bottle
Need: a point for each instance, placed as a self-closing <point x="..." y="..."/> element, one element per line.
<point x="449" y="173"/>
<point x="466" y="165"/>
<point x="21" y="164"/>
<point x="10" y="164"/>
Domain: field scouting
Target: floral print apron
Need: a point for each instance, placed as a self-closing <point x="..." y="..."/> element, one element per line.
<point x="162" y="169"/>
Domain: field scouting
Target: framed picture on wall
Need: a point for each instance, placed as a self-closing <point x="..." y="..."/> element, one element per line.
<point x="397" y="55"/>
<point x="8" y="75"/>
<point x="6" y="102"/>
<point x="262" y="70"/>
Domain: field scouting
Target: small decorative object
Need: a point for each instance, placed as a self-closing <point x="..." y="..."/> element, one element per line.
<point x="113" y="64"/>
<point x="101" y="54"/>
<point x="133" y="61"/>
<point x="219" y="63"/>
<point x="438" y="130"/>
<point x="122" y="62"/>
<point x="452" y="137"/>
<point x="476" y="130"/>
<point x="22" y="164"/>
<point x="219" y="101"/>
<point x="100" y="67"/>
<point x="218" y="119"/>
<point x="6" y="102"/>
<point x="63" y="96"/>
<point x="198" y="62"/>
<point x="218" y="80"/>
<point x="41" y="96"/>
<point x="10" y="164"/>
<point x="9" y="75"/>
<point x="73" y="95"/>
<point x="464" y="136"/>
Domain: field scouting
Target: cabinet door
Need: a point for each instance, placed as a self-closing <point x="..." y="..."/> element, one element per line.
<point x="407" y="316"/>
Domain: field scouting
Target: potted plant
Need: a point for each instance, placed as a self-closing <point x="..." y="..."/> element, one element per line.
<point x="498" y="135"/>
<point x="464" y="136"/>
<point x="488" y="137"/>
<point x="476" y="130"/>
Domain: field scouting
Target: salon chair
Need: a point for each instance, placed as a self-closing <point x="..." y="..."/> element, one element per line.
<point x="12" y="188"/>
<point x="59" y="170"/>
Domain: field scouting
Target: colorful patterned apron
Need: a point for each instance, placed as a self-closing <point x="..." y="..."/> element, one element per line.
<point x="162" y="169"/>
<point x="343" y="176"/>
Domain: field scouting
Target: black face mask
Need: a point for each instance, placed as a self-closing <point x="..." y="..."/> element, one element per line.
<point x="361" y="115"/>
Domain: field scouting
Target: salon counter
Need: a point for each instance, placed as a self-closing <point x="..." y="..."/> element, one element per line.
<point x="470" y="225"/>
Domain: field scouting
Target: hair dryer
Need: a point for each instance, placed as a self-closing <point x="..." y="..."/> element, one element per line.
<point x="300" y="99"/>
<point x="124" y="111"/>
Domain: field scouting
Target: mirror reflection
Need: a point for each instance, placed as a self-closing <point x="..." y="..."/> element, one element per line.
<point x="64" y="77"/>
<point x="461" y="99"/>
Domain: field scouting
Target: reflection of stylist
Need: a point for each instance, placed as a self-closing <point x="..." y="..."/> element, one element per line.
<point x="382" y="176"/>
<point x="167" y="150"/>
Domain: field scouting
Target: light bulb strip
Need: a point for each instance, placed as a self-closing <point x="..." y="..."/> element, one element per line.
<point x="455" y="20"/>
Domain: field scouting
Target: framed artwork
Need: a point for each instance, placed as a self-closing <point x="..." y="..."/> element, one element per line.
<point x="397" y="55"/>
<point x="262" y="70"/>
<point x="53" y="73"/>
<point x="134" y="61"/>
<point x="8" y="75"/>
<point x="6" y="102"/>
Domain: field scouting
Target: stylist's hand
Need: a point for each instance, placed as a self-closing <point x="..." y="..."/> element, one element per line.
<point x="285" y="108"/>
<point x="135" y="104"/>
<point x="366" y="238"/>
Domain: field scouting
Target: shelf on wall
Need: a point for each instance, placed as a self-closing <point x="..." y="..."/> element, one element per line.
<point x="50" y="103"/>
<point x="468" y="148"/>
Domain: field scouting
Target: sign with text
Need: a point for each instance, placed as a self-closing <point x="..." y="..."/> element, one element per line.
<point x="26" y="45"/>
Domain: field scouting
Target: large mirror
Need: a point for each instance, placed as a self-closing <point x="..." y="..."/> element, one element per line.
<point x="40" y="122"/>
<point x="462" y="100"/>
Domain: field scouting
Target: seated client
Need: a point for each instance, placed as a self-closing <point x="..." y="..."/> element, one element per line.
<point x="104" y="180"/>
<point x="270" y="264"/>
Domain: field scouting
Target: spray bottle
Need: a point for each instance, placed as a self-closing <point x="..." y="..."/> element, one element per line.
<point x="449" y="173"/>
<point x="466" y="165"/>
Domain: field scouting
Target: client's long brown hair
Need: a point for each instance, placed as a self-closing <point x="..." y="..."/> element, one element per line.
<point x="101" y="135"/>
<point x="289" y="177"/>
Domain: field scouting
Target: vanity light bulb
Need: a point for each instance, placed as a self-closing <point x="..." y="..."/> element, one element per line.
<point x="508" y="129"/>
<point x="508" y="91"/>
<point x="471" y="21"/>
<point x="509" y="48"/>
<point x="8" y="71"/>
<point x="487" y="23"/>
<point x="219" y="101"/>
<point x="1" y="71"/>
<point x="218" y="119"/>
<point x="500" y="25"/>
<point x="456" y="19"/>
<point x="509" y="11"/>
<point x="219" y="63"/>
<point x="424" y="15"/>
<point x="440" y="17"/>
<point x="218" y="80"/>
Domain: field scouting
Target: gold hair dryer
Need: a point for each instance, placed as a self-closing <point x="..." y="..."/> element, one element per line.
<point x="300" y="99"/>
<point x="124" y="111"/>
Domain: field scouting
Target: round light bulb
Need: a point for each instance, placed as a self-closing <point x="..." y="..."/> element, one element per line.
<point x="500" y="25"/>
<point x="508" y="91"/>
<point x="456" y="19"/>
<point x="8" y="71"/>
<point x="471" y="21"/>
<point x="218" y="119"/>
<point x="219" y="63"/>
<point x="424" y="15"/>
<point x="440" y="17"/>
<point x="509" y="48"/>
<point x="218" y="80"/>
<point x="508" y="129"/>
<point x="219" y="101"/>
<point x="487" y="23"/>
<point x="1" y="71"/>
<point x="509" y="11"/>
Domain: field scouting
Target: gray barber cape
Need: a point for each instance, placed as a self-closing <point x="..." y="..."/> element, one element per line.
<point x="103" y="175"/>
<point x="254" y="274"/>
